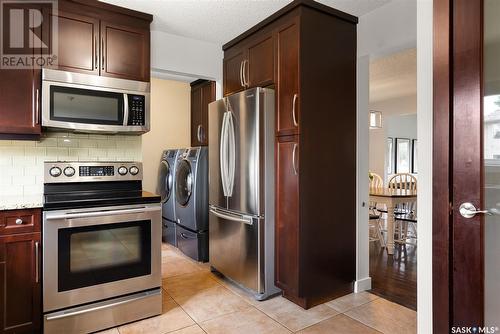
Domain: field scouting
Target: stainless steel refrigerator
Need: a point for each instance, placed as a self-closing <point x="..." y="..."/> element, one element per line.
<point x="241" y="195"/>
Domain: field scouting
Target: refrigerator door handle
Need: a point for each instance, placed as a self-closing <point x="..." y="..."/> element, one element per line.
<point x="223" y="154"/>
<point x="231" y="154"/>
<point x="237" y="218"/>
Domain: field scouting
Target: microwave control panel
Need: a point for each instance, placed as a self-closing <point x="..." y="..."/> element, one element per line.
<point x="137" y="110"/>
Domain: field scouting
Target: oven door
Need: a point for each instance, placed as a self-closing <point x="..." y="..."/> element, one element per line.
<point x="98" y="253"/>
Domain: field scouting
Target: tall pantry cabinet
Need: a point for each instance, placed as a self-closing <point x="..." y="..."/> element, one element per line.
<point x="313" y="62"/>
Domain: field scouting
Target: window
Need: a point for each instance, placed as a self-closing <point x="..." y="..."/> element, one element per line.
<point x="389" y="156"/>
<point x="403" y="153"/>
<point x="414" y="156"/>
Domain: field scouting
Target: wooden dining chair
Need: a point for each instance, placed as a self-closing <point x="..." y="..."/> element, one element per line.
<point x="403" y="181"/>
<point x="376" y="181"/>
<point x="405" y="214"/>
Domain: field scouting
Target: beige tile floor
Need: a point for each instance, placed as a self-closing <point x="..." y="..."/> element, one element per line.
<point x="198" y="301"/>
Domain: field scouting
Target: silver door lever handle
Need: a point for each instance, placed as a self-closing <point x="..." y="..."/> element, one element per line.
<point x="468" y="210"/>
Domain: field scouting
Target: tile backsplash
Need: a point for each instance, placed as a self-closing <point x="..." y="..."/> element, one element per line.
<point x="21" y="162"/>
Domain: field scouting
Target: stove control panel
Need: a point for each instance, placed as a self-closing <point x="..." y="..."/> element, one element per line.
<point x="63" y="172"/>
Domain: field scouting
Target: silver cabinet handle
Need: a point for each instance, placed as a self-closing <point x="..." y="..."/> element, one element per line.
<point x="468" y="210"/>
<point x="37" y="261"/>
<point x="294" y="156"/>
<point x="96" y="60"/>
<point x="245" y="79"/>
<point x="241" y="73"/>
<point x="19" y="221"/>
<point x="102" y="52"/>
<point x="37" y="115"/>
<point x="294" y="115"/>
<point x="199" y="133"/>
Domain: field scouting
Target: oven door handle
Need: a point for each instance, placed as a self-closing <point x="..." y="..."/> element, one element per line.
<point x="101" y="213"/>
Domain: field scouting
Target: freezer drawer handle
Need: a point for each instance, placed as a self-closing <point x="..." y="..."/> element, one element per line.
<point x="240" y="218"/>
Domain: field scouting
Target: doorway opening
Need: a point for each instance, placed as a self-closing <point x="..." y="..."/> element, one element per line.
<point x="393" y="177"/>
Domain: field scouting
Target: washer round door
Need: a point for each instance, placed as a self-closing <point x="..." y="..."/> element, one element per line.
<point x="184" y="182"/>
<point x="165" y="181"/>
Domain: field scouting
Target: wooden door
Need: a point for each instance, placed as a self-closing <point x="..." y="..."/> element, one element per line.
<point x="233" y="71"/>
<point x="466" y="273"/>
<point x="125" y="52"/>
<point x="20" y="103"/>
<point x="260" y="66"/>
<point x="288" y="79"/>
<point x="287" y="215"/>
<point x="20" y="288"/>
<point x="78" y="44"/>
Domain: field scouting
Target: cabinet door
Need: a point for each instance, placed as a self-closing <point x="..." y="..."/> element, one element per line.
<point x="20" y="288"/>
<point x="233" y="75"/>
<point x="260" y="66"/>
<point x="288" y="79"/>
<point x="196" y="100"/>
<point x="287" y="214"/>
<point x="78" y="44"/>
<point x="125" y="52"/>
<point x="20" y="103"/>
<point x="201" y="96"/>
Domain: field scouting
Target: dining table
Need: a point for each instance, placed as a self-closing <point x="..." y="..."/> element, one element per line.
<point x="391" y="198"/>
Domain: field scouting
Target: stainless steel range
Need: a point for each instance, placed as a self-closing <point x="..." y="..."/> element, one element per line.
<point x="102" y="246"/>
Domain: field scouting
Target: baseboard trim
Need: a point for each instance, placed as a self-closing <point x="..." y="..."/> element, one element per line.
<point x="363" y="284"/>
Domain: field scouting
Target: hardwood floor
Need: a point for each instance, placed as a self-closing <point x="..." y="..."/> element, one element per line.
<point x="395" y="277"/>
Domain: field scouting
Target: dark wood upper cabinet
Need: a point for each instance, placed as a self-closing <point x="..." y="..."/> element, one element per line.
<point x="20" y="273"/>
<point x="20" y="104"/>
<point x="233" y="72"/>
<point x="259" y="69"/>
<point x="124" y="52"/>
<point x="250" y="64"/>
<point x="202" y="94"/>
<point x="78" y="41"/>
<point x="307" y="53"/>
<point x="102" y="41"/>
<point x="288" y="77"/>
<point x="287" y="214"/>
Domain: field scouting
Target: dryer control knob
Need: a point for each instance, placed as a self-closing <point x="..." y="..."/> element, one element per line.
<point x="122" y="170"/>
<point x="134" y="170"/>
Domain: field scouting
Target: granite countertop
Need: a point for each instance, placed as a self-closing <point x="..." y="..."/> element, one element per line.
<point x="21" y="202"/>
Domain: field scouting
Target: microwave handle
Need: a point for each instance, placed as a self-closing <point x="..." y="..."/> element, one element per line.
<point x="125" y="110"/>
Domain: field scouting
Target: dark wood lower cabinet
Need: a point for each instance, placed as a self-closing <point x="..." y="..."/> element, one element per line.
<point x="20" y="290"/>
<point x="287" y="214"/>
<point x="20" y="277"/>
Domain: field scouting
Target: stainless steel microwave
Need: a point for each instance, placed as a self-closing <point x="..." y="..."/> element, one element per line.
<point x="89" y="103"/>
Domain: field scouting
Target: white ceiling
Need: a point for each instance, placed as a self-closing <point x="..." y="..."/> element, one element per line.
<point x="219" y="21"/>
<point x="394" y="79"/>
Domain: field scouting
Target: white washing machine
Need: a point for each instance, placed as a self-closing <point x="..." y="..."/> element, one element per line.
<point x="166" y="184"/>
<point x="191" y="202"/>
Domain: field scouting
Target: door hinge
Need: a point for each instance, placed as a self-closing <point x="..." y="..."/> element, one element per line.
<point x="450" y="209"/>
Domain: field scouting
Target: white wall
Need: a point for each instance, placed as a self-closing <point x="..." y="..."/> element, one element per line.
<point x="424" y="202"/>
<point x="180" y="58"/>
<point x="396" y="126"/>
<point x="363" y="280"/>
